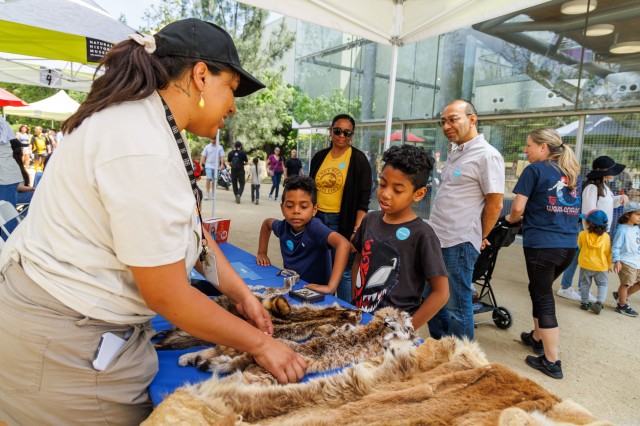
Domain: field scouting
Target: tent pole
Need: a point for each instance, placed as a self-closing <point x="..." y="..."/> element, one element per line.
<point x="580" y="137"/>
<point x="390" y="97"/>
<point x="395" y="46"/>
<point x="216" y="170"/>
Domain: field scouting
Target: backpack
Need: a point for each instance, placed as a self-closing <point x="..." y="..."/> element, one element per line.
<point x="236" y="162"/>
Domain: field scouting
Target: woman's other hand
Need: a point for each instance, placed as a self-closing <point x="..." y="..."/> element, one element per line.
<point x="281" y="361"/>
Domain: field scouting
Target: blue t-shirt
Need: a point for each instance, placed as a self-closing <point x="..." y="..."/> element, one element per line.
<point x="308" y="253"/>
<point x="552" y="209"/>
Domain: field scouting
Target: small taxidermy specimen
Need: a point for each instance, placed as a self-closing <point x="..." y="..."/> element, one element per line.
<point x="341" y="346"/>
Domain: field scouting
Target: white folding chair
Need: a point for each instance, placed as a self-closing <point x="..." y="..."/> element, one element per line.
<point x="7" y="213"/>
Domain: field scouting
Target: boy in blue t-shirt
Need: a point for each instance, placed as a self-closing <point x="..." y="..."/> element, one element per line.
<point x="397" y="251"/>
<point x="305" y="242"/>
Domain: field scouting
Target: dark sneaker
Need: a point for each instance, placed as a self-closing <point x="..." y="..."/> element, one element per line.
<point x="527" y="339"/>
<point x="626" y="310"/>
<point x="596" y="307"/>
<point x="585" y="306"/>
<point x="615" y="296"/>
<point x="540" y="363"/>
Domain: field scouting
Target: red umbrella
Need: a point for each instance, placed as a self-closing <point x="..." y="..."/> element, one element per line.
<point x="8" y="99"/>
<point x="397" y="135"/>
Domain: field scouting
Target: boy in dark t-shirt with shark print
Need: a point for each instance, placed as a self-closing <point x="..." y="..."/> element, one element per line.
<point x="396" y="251"/>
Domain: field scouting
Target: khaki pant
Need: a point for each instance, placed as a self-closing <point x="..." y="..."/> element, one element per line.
<point x="46" y="354"/>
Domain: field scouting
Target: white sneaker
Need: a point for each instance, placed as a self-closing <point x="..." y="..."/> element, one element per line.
<point x="569" y="293"/>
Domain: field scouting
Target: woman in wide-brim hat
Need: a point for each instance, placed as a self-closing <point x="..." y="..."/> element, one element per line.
<point x="596" y="195"/>
<point x="604" y="166"/>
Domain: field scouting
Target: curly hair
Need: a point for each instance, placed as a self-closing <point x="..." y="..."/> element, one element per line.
<point x="412" y="161"/>
<point x="596" y="229"/>
<point x="303" y="183"/>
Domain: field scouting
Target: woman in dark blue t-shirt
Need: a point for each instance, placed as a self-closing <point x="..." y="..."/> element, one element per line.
<point x="548" y="202"/>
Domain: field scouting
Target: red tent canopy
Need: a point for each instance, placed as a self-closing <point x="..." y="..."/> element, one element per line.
<point x="397" y="136"/>
<point x="8" y="99"/>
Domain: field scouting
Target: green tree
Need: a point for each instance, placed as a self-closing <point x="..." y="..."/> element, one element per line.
<point x="261" y="117"/>
<point x="322" y="109"/>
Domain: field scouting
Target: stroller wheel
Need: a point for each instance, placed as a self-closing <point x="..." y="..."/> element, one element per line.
<point x="502" y="318"/>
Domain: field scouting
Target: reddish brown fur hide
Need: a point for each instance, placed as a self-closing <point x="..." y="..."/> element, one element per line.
<point x="446" y="382"/>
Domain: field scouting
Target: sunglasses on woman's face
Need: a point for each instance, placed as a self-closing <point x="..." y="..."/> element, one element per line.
<point x="338" y="131"/>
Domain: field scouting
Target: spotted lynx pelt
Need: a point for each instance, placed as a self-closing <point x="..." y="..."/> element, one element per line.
<point x="341" y="347"/>
<point x="295" y="322"/>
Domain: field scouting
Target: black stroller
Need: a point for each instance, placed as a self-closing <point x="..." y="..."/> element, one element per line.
<point x="502" y="235"/>
<point x="224" y="179"/>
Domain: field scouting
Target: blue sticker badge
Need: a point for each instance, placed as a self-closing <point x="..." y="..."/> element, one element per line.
<point x="290" y="245"/>
<point x="342" y="165"/>
<point x="403" y="233"/>
<point x="457" y="173"/>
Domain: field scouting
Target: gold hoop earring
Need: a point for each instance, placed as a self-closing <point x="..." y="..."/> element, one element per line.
<point x="201" y="102"/>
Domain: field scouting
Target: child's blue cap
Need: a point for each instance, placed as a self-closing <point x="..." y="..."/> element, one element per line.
<point x="597" y="217"/>
<point x="631" y="207"/>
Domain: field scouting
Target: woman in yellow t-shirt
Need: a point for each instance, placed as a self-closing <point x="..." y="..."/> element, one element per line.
<point x="343" y="177"/>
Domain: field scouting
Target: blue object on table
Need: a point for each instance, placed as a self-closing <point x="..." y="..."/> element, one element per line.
<point x="171" y="376"/>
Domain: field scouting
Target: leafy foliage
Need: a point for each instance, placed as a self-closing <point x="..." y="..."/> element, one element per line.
<point x="261" y="117"/>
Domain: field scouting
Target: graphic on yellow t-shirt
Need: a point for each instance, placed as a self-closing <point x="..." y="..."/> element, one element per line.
<point x="330" y="181"/>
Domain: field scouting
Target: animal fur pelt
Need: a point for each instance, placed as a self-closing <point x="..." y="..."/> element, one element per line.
<point x="340" y="347"/>
<point x="442" y="382"/>
<point x="295" y="322"/>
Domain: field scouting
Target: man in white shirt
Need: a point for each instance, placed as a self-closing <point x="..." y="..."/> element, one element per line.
<point x="212" y="162"/>
<point x="466" y="208"/>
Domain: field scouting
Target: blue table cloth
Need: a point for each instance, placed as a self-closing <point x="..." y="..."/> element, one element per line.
<point x="170" y="375"/>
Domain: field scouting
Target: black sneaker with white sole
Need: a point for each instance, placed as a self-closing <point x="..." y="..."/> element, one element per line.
<point x="527" y="339"/>
<point x="596" y="307"/>
<point x="626" y="310"/>
<point x="540" y="363"/>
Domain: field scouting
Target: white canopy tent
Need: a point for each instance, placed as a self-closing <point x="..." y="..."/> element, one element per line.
<point x="57" y="107"/>
<point x="394" y="22"/>
<point x="71" y="32"/>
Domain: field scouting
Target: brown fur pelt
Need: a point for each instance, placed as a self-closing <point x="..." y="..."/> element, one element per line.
<point x="338" y="348"/>
<point x="295" y="322"/>
<point x="442" y="382"/>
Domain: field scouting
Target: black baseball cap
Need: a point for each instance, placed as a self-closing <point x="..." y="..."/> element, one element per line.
<point x="194" y="38"/>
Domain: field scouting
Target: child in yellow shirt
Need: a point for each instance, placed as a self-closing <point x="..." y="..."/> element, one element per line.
<point x="594" y="259"/>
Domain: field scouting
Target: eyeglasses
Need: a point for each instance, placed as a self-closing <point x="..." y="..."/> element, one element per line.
<point x="338" y="131"/>
<point x="450" y="121"/>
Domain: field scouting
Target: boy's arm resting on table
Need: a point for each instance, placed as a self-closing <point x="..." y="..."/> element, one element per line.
<point x="433" y="303"/>
<point x="342" y="248"/>
<point x="166" y="291"/>
<point x="262" y="258"/>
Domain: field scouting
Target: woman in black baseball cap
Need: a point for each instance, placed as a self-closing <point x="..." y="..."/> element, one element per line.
<point x="112" y="234"/>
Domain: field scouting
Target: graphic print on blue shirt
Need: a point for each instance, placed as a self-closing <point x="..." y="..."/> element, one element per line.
<point x="378" y="274"/>
<point x="559" y="198"/>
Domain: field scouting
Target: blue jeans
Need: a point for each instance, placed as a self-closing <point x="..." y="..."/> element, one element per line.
<point x="9" y="193"/>
<point x="456" y="318"/>
<point x="275" y="183"/>
<point x="567" y="277"/>
<point x="331" y="220"/>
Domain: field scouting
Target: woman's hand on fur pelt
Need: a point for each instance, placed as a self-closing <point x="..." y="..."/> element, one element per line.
<point x="281" y="361"/>
<point x="251" y="308"/>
